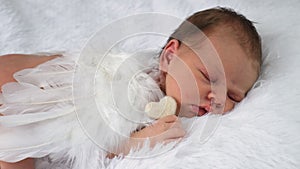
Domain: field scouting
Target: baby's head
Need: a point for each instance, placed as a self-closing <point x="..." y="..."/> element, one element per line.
<point x="238" y="46"/>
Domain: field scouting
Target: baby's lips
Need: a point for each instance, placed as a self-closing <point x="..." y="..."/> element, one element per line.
<point x="201" y="112"/>
<point x="194" y="108"/>
<point x="198" y="110"/>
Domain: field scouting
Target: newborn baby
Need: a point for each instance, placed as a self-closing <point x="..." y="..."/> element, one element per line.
<point x="238" y="46"/>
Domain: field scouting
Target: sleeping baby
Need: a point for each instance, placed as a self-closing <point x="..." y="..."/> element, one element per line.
<point x="193" y="82"/>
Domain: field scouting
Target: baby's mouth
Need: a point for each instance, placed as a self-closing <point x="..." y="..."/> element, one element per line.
<point x="199" y="111"/>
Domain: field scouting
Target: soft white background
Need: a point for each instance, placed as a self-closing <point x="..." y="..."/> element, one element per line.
<point x="262" y="132"/>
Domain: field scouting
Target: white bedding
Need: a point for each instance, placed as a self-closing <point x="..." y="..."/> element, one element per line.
<point x="262" y="132"/>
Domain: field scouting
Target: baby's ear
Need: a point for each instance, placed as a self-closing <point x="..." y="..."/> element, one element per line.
<point x="168" y="54"/>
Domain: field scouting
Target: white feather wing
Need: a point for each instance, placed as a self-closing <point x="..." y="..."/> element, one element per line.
<point x="40" y="117"/>
<point x="38" y="111"/>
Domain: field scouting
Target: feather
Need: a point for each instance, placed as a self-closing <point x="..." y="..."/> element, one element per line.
<point x="49" y="114"/>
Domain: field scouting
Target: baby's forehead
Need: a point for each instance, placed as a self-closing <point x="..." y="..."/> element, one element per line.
<point x="237" y="33"/>
<point x="242" y="35"/>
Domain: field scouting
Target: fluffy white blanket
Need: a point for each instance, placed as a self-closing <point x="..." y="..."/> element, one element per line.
<point x="261" y="132"/>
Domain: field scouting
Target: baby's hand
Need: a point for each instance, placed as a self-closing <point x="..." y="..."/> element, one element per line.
<point x="164" y="130"/>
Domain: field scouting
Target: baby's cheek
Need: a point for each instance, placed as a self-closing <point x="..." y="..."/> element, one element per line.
<point x="172" y="88"/>
<point x="229" y="105"/>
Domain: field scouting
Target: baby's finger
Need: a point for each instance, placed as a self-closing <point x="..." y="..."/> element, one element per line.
<point x="166" y="126"/>
<point x="174" y="133"/>
<point x="169" y="118"/>
<point x="175" y="124"/>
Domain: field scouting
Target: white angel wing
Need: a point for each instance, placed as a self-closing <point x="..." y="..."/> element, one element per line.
<point x="38" y="111"/>
<point x="40" y="117"/>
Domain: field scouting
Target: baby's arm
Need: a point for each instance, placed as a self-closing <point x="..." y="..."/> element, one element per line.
<point x="164" y="130"/>
<point x="11" y="63"/>
<point x="24" y="164"/>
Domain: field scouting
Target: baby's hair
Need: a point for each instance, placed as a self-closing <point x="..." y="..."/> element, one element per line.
<point x="210" y="20"/>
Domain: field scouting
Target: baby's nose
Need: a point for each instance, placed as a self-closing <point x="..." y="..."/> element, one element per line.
<point x="215" y="104"/>
<point x="212" y="96"/>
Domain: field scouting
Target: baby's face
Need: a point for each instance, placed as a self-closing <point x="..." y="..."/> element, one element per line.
<point x="240" y="75"/>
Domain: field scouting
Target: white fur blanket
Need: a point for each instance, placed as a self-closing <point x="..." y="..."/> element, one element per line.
<point x="261" y="132"/>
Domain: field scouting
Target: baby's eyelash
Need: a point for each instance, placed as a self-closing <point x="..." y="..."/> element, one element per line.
<point x="212" y="80"/>
<point x="233" y="98"/>
<point x="205" y="75"/>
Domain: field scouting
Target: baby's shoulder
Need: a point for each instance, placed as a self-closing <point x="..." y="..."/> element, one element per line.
<point x="11" y="63"/>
